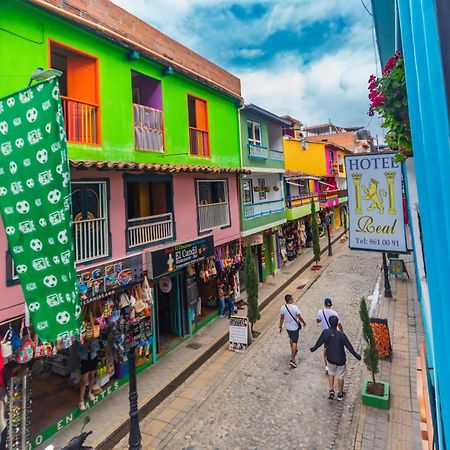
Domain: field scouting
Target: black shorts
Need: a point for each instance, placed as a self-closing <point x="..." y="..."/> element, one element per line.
<point x="88" y="365"/>
<point x="293" y="335"/>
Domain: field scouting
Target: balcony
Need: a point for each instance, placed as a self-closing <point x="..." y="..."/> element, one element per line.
<point x="213" y="215"/>
<point x="252" y="210"/>
<point x="276" y="155"/>
<point x="199" y="142"/>
<point x="80" y="121"/>
<point x="296" y="201"/>
<point x="257" y="151"/>
<point x="148" y="128"/>
<point x="91" y="239"/>
<point x="150" y="229"/>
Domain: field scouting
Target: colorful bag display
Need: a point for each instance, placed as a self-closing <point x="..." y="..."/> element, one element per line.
<point x="6" y="345"/>
<point x="26" y="351"/>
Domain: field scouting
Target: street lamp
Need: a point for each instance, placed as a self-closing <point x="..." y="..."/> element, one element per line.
<point x="330" y="252"/>
<point x="387" y="283"/>
<point x="134" y="440"/>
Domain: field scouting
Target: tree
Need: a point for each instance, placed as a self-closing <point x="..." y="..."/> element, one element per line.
<point x="315" y="232"/>
<point x="370" y="352"/>
<point x="251" y="285"/>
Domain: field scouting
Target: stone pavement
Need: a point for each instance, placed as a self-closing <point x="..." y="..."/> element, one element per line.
<point x="255" y="400"/>
<point x="398" y="428"/>
<point x="113" y="411"/>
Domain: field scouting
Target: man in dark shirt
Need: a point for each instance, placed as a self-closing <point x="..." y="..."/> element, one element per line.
<point x="335" y="343"/>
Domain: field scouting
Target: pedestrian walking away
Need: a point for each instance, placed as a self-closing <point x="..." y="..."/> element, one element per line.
<point x="335" y="342"/>
<point x="323" y="317"/>
<point x="290" y="315"/>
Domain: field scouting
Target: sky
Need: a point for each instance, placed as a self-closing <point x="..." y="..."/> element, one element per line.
<point x="310" y="59"/>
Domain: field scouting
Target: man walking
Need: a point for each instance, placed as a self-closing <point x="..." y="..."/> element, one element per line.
<point x="335" y="344"/>
<point x="290" y="314"/>
<point x="323" y="317"/>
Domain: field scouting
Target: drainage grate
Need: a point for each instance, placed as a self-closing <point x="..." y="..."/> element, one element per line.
<point x="194" y="345"/>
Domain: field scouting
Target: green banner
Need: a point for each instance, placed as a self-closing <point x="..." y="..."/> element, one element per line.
<point x="36" y="207"/>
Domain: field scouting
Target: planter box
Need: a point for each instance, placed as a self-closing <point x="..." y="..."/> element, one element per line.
<point x="374" y="400"/>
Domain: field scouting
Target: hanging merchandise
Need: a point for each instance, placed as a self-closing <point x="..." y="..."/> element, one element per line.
<point x="36" y="207"/>
<point x="6" y="345"/>
<point x="19" y="411"/>
<point x="26" y="350"/>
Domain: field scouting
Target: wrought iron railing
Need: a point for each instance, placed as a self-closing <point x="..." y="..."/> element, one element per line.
<point x="276" y="155"/>
<point x="257" y="151"/>
<point x="146" y="230"/>
<point x="258" y="209"/>
<point x="91" y="239"/>
<point x="80" y="121"/>
<point x="199" y="142"/>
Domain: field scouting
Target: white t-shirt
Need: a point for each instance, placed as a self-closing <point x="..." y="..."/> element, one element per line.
<point x="328" y="313"/>
<point x="290" y="323"/>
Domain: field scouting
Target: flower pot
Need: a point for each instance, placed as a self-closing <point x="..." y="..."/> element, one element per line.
<point x="374" y="400"/>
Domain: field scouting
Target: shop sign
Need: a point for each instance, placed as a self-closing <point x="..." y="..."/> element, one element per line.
<point x="396" y="267"/>
<point x="375" y="203"/>
<point x="238" y="338"/>
<point x="166" y="260"/>
<point x="254" y="239"/>
<point x="98" y="282"/>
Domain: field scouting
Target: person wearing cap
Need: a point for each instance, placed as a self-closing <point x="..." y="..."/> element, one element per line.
<point x="335" y="342"/>
<point x="323" y="317"/>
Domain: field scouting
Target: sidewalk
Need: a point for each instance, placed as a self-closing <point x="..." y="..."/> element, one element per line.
<point x="110" y="416"/>
<point x="399" y="427"/>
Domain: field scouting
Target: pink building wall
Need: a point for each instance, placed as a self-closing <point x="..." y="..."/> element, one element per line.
<point x="185" y="209"/>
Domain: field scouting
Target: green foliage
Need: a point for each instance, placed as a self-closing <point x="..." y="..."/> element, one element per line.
<point x="251" y="286"/>
<point x="315" y="232"/>
<point x="370" y="352"/>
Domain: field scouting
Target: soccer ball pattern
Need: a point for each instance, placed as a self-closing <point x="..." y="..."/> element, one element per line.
<point x="34" y="193"/>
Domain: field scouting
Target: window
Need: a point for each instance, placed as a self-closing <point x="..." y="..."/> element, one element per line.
<point x="11" y="275"/>
<point x="212" y="204"/>
<point x="303" y="187"/>
<point x="247" y="193"/>
<point x="79" y="98"/>
<point x="149" y="211"/>
<point x="254" y="132"/>
<point x="262" y="188"/>
<point x="198" y="127"/>
<point x="90" y="220"/>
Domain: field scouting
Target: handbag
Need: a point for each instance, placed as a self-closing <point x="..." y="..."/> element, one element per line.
<point x="41" y="350"/>
<point x="296" y="320"/>
<point x="146" y="292"/>
<point x="26" y="351"/>
<point x="6" y="344"/>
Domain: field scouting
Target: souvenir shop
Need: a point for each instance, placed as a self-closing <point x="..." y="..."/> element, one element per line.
<point x="293" y="237"/>
<point x="264" y="248"/>
<point x="186" y="278"/>
<point x="116" y="304"/>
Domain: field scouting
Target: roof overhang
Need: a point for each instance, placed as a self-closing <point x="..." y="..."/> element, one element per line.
<point x="270" y="117"/>
<point x="152" y="167"/>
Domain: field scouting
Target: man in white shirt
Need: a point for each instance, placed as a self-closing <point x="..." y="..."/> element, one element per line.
<point x="323" y="317"/>
<point x="290" y="314"/>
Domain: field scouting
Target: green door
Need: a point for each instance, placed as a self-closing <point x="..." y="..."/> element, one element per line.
<point x="268" y="255"/>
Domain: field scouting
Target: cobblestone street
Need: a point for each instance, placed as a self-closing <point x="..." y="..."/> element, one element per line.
<point x="260" y="402"/>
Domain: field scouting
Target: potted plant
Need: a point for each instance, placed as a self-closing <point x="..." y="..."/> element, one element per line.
<point x="387" y="95"/>
<point x="374" y="393"/>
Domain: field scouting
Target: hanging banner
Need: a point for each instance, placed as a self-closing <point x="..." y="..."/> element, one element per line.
<point x="374" y="183"/>
<point x="35" y="203"/>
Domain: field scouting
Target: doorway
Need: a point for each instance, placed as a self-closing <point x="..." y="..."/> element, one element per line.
<point x="169" y="322"/>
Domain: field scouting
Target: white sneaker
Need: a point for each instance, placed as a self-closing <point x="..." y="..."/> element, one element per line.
<point x="82" y="405"/>
<point x="91" y="396"/>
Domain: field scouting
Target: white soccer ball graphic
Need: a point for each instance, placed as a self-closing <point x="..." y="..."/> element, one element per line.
<point x="50" y="280"/>
<point x="77" y="311"/>
<point x="10" y="231"/>
<point x="59" y="169"/>
<point x="62" y="237"/>
<point x="3" y="127"/>
<point x="30" y="183"/>
<point x="3" y="191"/>
<point x="10" y="102"/>
<point x="32" y="115"/>
<point x="54" y="196"/>
<point x="21" y="268"/>
<point x="63" y="317"/>
<point x="36" y="245"/>
<point x="22" y="207"/>
<point x="42" y="156"/>
<point x="20" y="143"/>
<point x="13" y="167"/>
<point x="33" y="307"/>
<point x="42" y="222"/>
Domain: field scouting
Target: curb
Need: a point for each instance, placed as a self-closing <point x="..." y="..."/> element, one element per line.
<point x="117" y="435"/>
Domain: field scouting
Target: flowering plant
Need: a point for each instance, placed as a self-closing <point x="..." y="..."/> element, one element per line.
<point x="388" y="98"/>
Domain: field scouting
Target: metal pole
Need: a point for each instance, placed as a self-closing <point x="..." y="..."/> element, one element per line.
<point x="387" y="283"/>
<point x="330" y="252"/>
<point x="134" y="440"/>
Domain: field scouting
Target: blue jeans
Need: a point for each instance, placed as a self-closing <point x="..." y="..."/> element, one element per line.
<point x="221" y="306"/>
<point x="230" y="305"/>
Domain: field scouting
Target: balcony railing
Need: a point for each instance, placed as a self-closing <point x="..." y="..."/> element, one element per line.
<point x="258" y="151"/>
<point x="259" y="209"/>
<point x="276" y="155"/>
<point x="80" y="121"/>
<point x="299" y="200"/>
<point x="213" y="215"/>
<point x="146" y="230"/>
<point x="91" y="239"/>
<point x="199" y="142"/>
<point x="148" y="128"/>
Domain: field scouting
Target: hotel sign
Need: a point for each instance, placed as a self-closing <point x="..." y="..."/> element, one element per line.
<point x="374" y="183"/>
